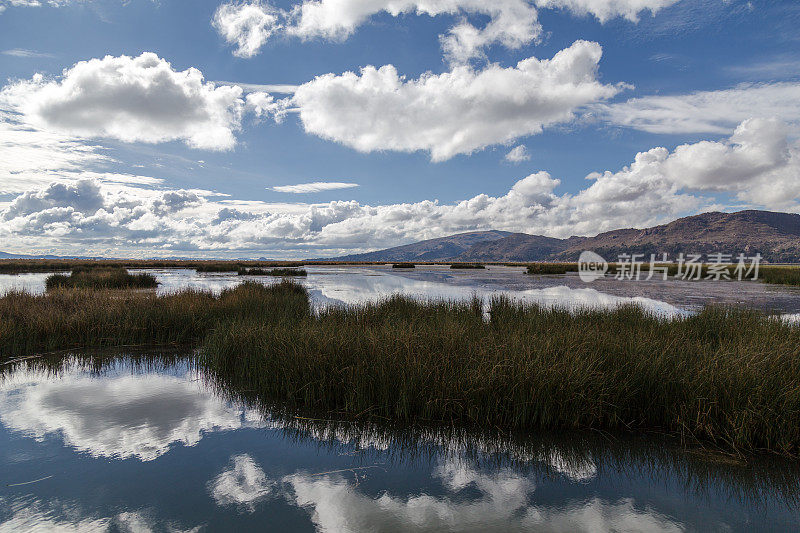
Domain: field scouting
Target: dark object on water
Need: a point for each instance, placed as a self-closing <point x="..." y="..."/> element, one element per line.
<point x="467" y="266"/>
<point x="273" y="272"/>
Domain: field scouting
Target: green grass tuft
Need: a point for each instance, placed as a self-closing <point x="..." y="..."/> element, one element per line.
<point x="272" y="272"/>
<point x="552" y="268"/>
<point x="100" y="278"/>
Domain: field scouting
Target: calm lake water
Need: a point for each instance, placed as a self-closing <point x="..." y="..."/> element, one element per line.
<point x="138" y="445"/>
<point x="148" y="443"/>
<point x="353" y="284"/>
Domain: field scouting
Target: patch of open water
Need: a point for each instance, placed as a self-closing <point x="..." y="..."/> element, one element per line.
<point x="353" y="284"/>
<point x="135" y="443"/>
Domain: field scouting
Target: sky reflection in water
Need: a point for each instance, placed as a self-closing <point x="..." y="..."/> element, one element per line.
<point x="154" y="447"/>
<point x="356" y="284"/>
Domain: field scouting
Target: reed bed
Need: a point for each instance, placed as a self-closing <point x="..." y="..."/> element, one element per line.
<point x="17" y="266"/>
<point x="467" y="266"/>
<point x="218" y="267"/>
<point x="780" y="275"/>
<point x="552" y="268"/>
<point x="727" y="376"/>
<point x="79" y="318"/>
<point x="100" y="278"/>
<point x="285" y="272"/>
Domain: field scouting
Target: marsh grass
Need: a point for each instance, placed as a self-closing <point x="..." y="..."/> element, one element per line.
<point x="17" y="266"/>
<point x="780" y="275"/>
<point x="552" y="268"/>
<point x="726" y="376"/>
<point x="78" y="318"/>
<point x="218" y="267"/>
<point x="100" y="278"/>
<point x="285" y="272"/>
<point x="467" y="266"/>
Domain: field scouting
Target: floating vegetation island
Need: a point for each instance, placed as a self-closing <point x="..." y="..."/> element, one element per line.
<point x="272" y="272"/>
<point x="100" y="278"/>
<point x="467" y="266"/>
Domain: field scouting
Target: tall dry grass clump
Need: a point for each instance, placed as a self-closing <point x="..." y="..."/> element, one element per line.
<point x="731" y="377"/>
<point x="76" y="318"/>
<point x="466" y="266"/>
<point x="101" y="278"/>
<point x="780" y="275"/>
<point x="552" y="268"/>
<point x="280" y="272"/>
<point x="727" y="376"/>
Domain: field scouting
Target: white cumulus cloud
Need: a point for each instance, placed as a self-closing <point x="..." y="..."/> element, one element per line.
<point x="137" y="416"/>
<point x="511" y="23"/>
<point x="472" y="501"/>
<point x="757" y="166"/>
<point x="518" y="154"/>
<point x="131" y="99"/>
<point x="243" y="485"/>
<point x="455" y="112"/>
<point x="247" y="25"/>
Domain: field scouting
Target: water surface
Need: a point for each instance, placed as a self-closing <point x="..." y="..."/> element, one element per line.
<point x="356" y="284"/>
<point x="148" y="444"/>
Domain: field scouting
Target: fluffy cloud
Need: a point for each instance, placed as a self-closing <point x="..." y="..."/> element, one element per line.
<point x="243" y="485"/>
<point x="512" y="23"/>
<point x="264" y="105"/>
<point x="706" y="111"/>
<point x="472" y="500"/>
<point x="758" y="165"/>
<point x="248" y="26"/>
<point x="518" y="154"/>
<point x="317" y="186"/>
<point x="131" y="99"/>
<point x="137" y="416"/>
<point x="456" y="112"/>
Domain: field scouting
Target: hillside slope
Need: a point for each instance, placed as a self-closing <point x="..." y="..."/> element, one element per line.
<point x="776" y="236"/>
<point x="441" y="249"/>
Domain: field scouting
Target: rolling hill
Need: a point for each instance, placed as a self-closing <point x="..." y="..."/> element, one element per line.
<point x="776" y="236"/>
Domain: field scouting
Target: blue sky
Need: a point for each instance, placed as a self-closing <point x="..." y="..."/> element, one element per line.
<point x="710" y="89"/>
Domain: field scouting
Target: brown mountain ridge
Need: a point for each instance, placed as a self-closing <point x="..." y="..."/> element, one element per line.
<point x="776" y="236"/>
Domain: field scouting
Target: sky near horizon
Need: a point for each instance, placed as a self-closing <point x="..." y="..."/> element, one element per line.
<point x="313" y="128"/>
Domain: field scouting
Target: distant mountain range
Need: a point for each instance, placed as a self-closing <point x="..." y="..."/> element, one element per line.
<point x="776" y="236"/>
<point x="442" y="249"/>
